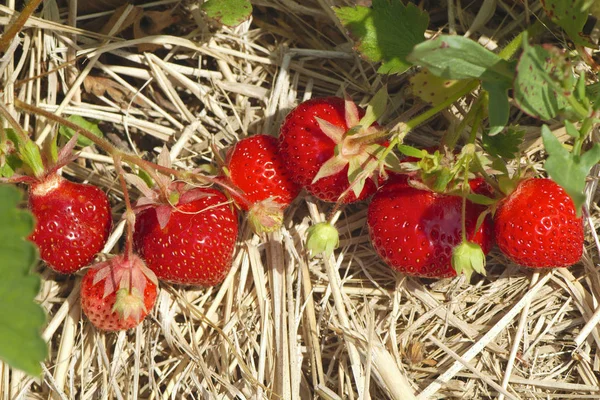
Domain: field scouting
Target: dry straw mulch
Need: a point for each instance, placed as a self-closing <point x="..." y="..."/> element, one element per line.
<point x="283" y="325"/>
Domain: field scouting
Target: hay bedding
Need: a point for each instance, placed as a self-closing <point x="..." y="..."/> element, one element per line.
<point x="283" y="325"/>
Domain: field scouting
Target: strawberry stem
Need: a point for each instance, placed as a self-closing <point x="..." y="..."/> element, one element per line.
<point x="18" y="24"/>
<point x="150" y="167"/>
<point x="129" y="214"/>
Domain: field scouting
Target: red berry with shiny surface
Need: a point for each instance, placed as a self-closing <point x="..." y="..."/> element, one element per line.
<point x="536" y="225"/>
<point x="415" y="231"/>
<point x="73" y="222"/>
<point x="308" y="140"/>
<point x="196" y="244"/>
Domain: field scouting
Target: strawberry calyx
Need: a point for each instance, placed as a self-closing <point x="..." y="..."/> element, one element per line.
<point x="359" y="146"/>
<point x="266" y="215"/>
<point x="129" y="304"/>
<point x="322" y="238"/>
<point x="468" y="257"/>
<point x="127" y="276"/>
<point x="166" y="194"/>
<point x="40" y="166"/>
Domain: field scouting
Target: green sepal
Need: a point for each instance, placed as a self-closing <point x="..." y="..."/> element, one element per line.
<point x="411" y="151"/>
<point x="376" y="108"/>
<point x="322" y="238"/>
<point x="467" y="258"/>
<point x="82" y="141"/>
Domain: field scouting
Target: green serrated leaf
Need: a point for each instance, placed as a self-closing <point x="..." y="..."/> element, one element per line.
<point x="498" y="107"/>
<point x="21" y="319"/>
<point x="386" y="32"/>
<point x="228" y="12"/>
<point x="569" y="170"/>
<point x="457" y="57"/>
<point x="433" y="89"/>
<point x="504" y="145"/>
<point x="543" y="80"/>
<point x="571" y="15"/>
<point x="82" y="141"/>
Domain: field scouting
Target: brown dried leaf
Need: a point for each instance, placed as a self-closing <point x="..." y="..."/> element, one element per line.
<point x="100" y="86"/>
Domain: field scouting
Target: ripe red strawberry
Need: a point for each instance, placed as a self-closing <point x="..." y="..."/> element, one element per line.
<point x="415" y="231"/>
<point x="73" y="222"/>
<point x="536" y="225"/>
<point x="111" y="293"/>
<point x="194" y="243"/>
<point x="256" y="168"/>
<point x="318" y="150"/>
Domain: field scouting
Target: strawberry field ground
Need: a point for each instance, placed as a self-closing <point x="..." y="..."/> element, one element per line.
<point x="283" y="324"/>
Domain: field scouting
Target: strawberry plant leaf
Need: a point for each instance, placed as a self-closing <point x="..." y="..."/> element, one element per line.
<point x="21" y="319"/>
<point x="544" y="79"/>
<point x="386" y="32"/>
<point x="567" y="169"/>
<point x="228" y="12"/>
<point x="433" y="89"/>
<point x="498" y="107"/>
<point x="504" y="145"/>
<point x="82" y="141"/>
<point x="571" y="15"/>
<point x="457" y="57"/>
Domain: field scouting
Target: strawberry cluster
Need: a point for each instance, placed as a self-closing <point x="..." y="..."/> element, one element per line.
<point x="428" y="215"/>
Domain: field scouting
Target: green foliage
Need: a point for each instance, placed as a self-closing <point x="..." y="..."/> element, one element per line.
<point x="498" y="106"/>
<point x="10" y="165"/>
<point x="386" y="32"/>
<point x="457" y="57"/>
<point x="27" y="151"/>
<point x="85" y="124"/>
<point x="567" y="169"/>
<point x="504" y="145"/>
<point x="21" y="319"/>
<point x="544" y="79"/>
<point x="228" y="12"/>
<point x="571" y="15"/>
<point x="433" y="89"/>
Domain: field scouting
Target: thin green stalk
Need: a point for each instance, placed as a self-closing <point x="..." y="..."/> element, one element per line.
<point x="150" y="167"/>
